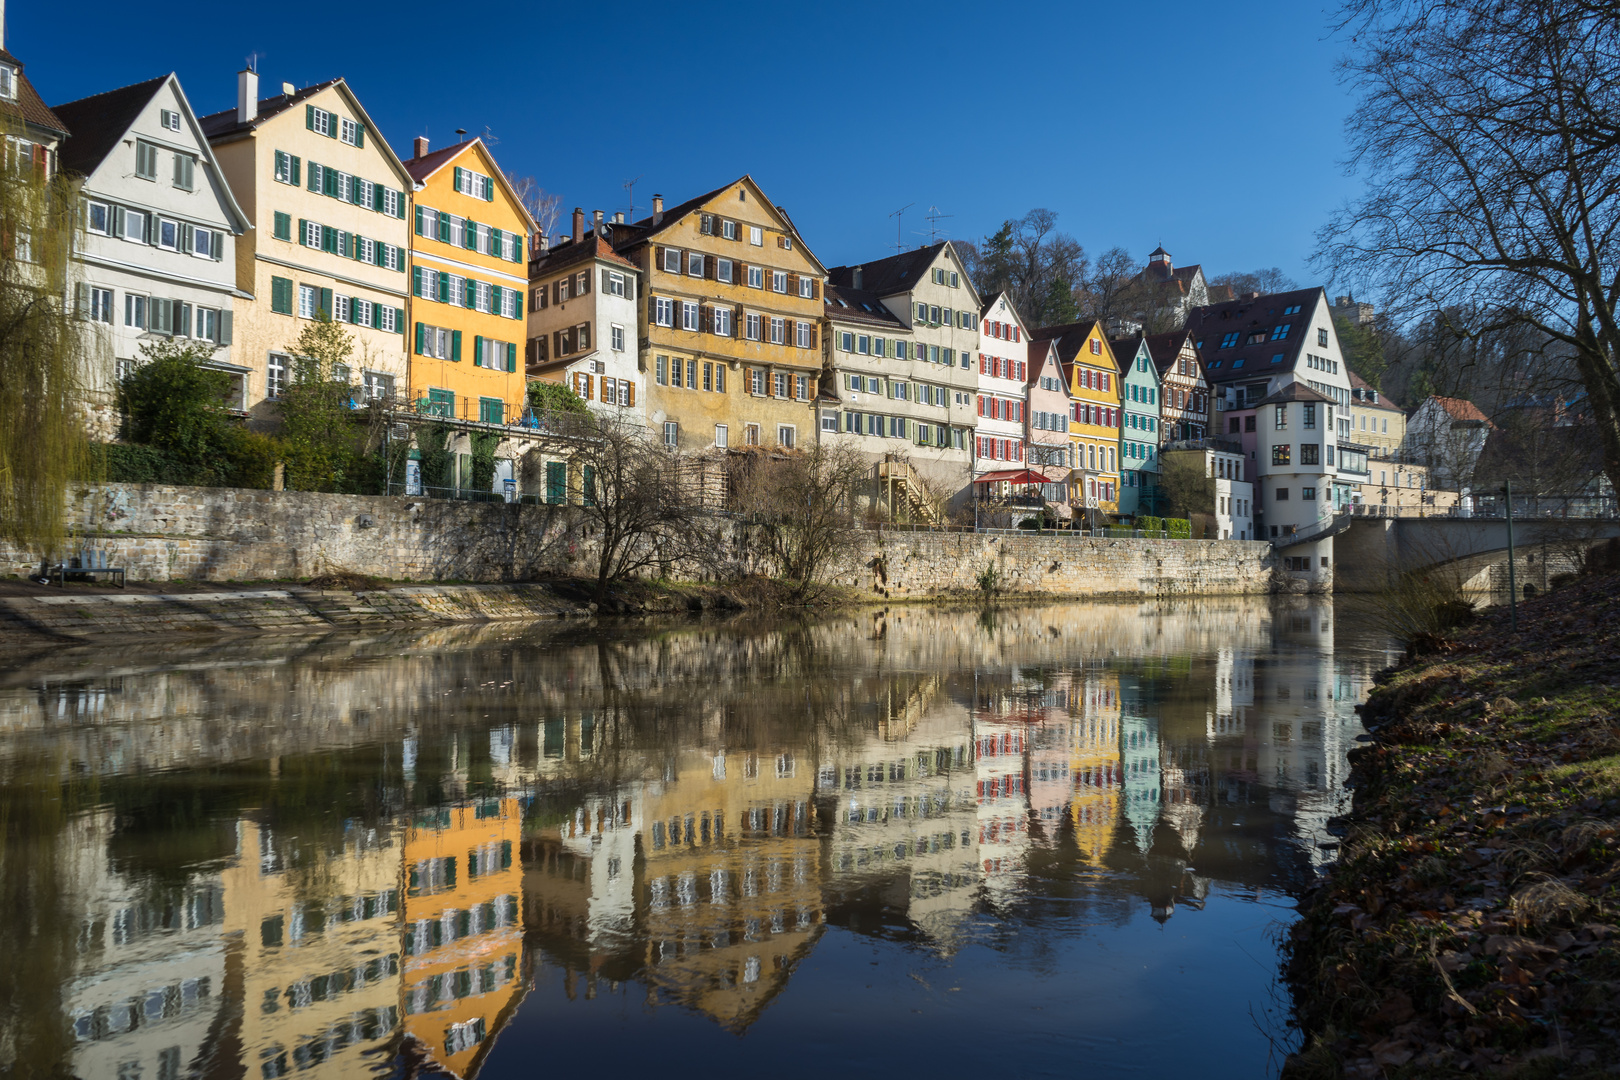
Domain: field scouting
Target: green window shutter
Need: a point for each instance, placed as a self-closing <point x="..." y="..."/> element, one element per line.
<point x="495" y="242"/>
<point x="444" y="288"/>
<point x="303" y="230"/>
<point x="416" y="281"/>
<point x="377" y="193"/>
<point x="444" y="228"/>
<point x="478" y="350"/>
<point x="326" y="302"/>
<point x="309" y="117"/>
<point x="329" y="178"/>
<point x="359" y="135"/>
<point x="489" y="190"/>
<point x="458" y="178"/>
<point x="399" y="319"/>
<point x="419" y="220"/>
<point x="421" y="338"/>
<point x="283" y="226"/>
<point x="469" y="235"/>
<point x="511" y="356"/>
<point x="297" y="177"/>
<point x="471" y="293"/>
<point x="314" y="177"/>
<point x="455" y="344"/>
<point x="224" y="328"/>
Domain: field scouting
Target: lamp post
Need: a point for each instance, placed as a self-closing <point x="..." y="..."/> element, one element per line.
<point x="1513" y="589"/>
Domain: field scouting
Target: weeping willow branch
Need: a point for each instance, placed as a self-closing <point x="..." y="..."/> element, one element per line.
<point x="44" y="354"/>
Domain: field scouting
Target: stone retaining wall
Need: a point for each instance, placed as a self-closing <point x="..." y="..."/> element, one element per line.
<point x="161" y="533"/>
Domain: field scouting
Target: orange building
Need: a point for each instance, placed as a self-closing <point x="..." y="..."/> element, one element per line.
<point x="1094" y="384"/>
<point x="463" y="929"/>
<point x="469" y="275"/>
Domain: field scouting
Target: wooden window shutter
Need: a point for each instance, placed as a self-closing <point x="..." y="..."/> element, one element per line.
<point x="815" y="338"/>
<point x="793" y="284"/>
<point x="815" y="289"/>
<point x="416" y="281"/>
<point x="421" y="338"/>
<point x="309" y="117"/>
<point x="455" y="344"/>
<point x="556" y="291"/>
<point x="511" y="356"/>
<point x="584" y="281"/>
<point x="589" y="379"/>
<point x="628" y="393"/>
<point x="531" y="351"/>
<point x="706" y="319"/>
<point x="604" y="279"/>
<point x="418" y="219"/>
<point x="542" y="348"/>
<point x="584" y="335"/>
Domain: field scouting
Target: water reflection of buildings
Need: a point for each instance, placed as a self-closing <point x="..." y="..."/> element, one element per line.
<point x="1096" y="767"/>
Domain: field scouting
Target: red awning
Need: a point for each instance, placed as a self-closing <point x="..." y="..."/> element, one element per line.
<point x="1016" y="476"/>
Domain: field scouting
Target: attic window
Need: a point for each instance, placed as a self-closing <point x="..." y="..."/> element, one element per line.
<point x="1277" y="359"/>
<point x="1214" y="364"/>
<point x="1230" y="339"/>
<point x="1291" y="310"/>
<point x="1237" y="363"/>
<point x="742" y="194"/>
<point x="169" y="119"/>
<point x="8" y="82"/>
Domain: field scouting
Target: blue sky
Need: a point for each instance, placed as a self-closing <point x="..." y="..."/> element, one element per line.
<point x="1216" y="131"/>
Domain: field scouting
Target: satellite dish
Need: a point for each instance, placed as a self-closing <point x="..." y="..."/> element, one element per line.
<point x="605" y="229"/>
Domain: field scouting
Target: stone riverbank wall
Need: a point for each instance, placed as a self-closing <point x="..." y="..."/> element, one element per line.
<point x="161" y="533"/>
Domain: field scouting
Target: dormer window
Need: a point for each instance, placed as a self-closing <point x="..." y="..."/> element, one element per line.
<point x="8" y="82"/>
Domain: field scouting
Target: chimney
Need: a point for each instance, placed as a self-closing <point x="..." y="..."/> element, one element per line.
<point x="618" y="215"/>
<point x="579" y="224"/>
<point x="247" y="95"/>
<point x="2" y="24"/>
<point x="658" y="209"/>
<point x="541" y="243"/>
<point x="856" y="277"/>
<point x="419" y="149"/>
<point x="596" y="221"/>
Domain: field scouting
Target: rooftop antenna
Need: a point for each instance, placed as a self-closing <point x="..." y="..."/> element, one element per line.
<point x="899" y="237"/>
<point x="630" y="197"/>
<point x="489" y="137"/>
<point x="934" y="218"/>
<point x="253" y="63"/>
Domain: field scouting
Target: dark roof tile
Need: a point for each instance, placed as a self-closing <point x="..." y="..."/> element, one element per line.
<point x="100" y="121"/>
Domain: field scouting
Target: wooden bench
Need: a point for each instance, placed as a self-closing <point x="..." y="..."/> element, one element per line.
<point x="88" y="563"/>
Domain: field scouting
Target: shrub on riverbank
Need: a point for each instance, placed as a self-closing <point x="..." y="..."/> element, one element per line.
<point x="1473" y="920"/>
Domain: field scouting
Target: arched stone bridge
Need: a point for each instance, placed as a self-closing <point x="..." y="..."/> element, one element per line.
<point x="1373" y="551"/>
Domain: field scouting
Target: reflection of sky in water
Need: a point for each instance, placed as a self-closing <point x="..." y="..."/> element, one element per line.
<point x="850" y="841"/>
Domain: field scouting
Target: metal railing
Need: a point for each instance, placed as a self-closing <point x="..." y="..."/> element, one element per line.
<point x="500" y="414"/>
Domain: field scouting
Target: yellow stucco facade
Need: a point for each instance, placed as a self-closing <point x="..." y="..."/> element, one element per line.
<point x="731" y="322"/>
<point x="1094" y="386"/>
<point x="329" y="201"/>
<point x="468" y="277"/>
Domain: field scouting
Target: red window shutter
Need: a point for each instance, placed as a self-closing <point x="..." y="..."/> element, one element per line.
<point x="981" y="404"/>
<point x="987" y="328"/>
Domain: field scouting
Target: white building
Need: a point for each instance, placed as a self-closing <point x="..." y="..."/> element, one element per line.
<point x="584" y="320"/>
<point x="159" y="249"/>
<point x="1002" y="403"/>
<point x="1227" y="473"/>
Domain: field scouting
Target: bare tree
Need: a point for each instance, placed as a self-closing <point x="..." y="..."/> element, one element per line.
<point x="1489" y="135"/>
<point x="544" y="206"/>
<point x="1268" y="279"/>
<point x="1111" y="290"/>
<point x="805" y="501"/>
<point x="631" y="493"/>
<point x="1038" y="266"/>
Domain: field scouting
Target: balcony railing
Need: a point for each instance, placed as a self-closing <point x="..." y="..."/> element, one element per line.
<point x="498" y="414"/>
<point x="1220" y="445"/>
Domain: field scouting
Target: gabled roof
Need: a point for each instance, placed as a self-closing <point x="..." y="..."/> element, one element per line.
<point x="990" y="302"/>
<point x="1295" y="391"/>
<point x="862" y="306"/>
<point x="568" y="254"/>
<point x="420" y="168"/>
<point x="100" y="121"/>
<point x="1071" y="337"/>
<point x="1211" y="323"/>
<point x="1166" y="348"/>
<point x="29" y="106"/>
<point x="1460" y="409"/>
<point x="626" y="235"/>
<point x="1040" y="354"/>
<point x="896" y="274"/>
<point x="1383" y="402"/>
<point x="223" y="126"/>
<point x="1132" y="346"/>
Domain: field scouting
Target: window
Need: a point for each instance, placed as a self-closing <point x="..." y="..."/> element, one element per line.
<point x="723" y="269"/>
<point x="8" y="82"/>
<point x="694" y="264"/>
<point x="145" y="160"/>
<point x="281" y="295"/>
<point x="100" y="306"/>
<point x="672" y="261"/>
<point x="1229" y="340"/>
<point x="1308" y="416"/>
<point x="1282" y="418"/>
<point x="756" y="277"/>
<point x="785" y="434"/>
<point x="721" y="436"/>
<point x="1310" y="453"/>
<point x="308" y="301"/>
<point x="778" y="331"/>
<point x="99" y="218"/>
<point x="804" y="336"/>
<point x="135" y="311"/>
<point x="349" y="132"/>
<point x="751" y="434"/>
<point x="779" y="384"/>
<point x="751" y="323"/>
<point x="756" y="236"/>
<point x="1307" y="494"/>
<point x="801" y="387"/>
<point x="275" y="376"/>
<point x="615" y="283"/>
<point x="900" y="350"/>
<point x="807" y="288"/>
<point x="779" y="281"/>
<point x="202" y="243"/>
<point x="319" y="121"/>
<point x="1282" y="454"/>
<point x="1280" y="331"/>
<point x="1321" y="337"/>
<point x="1281" y="495"/>
<point x="616" y="336"/>
<point x="283" y="226"/>
<point x="1292" y="309"/>
<point x="672" y="434"/>
<point x="689" y="315"/>
<point x="721" y="317"/>
<point x="185" y="168"/>
<point x="664" y="311"/>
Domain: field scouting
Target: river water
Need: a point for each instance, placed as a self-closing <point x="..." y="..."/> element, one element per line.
<point x="1034" y="841"/>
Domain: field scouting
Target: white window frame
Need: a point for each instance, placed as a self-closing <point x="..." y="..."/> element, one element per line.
<point x="694" y="264"/>
<point x="779" y="281"/>
<point x="276" y="370"/>
<point x="663" y="311"/>
<point x="722" y="436"/>
<point x="802" y="334"/>
<point x="8" y="82"/>
<point x="721" y="319"/>
<point x="158" y="234"/>
<point x="753" y="324"/>
<point x="135" y="311"/>
<point x="805" y="288"/>
<point x="205" y="237"/>
<point x="787" y="435"/>
<point x="756" y="236"/>
<point x="615" y="283"/>
<point x="91" y="206"/>
<point x="756" y="277"/>
<point x="723" y="270"/>
<point x="309" y="301"/>
<point x="616" y="337"/>
<point x="348" y="131"/>
<point x="101" y="305"/>
<point x="689" y="315"/>
<point x="778" y="330"/>
<point x="321" y="122"/>
<point x="135" y="226"/>
<point x="672" y="260"/>
<point x="672" y="434"/>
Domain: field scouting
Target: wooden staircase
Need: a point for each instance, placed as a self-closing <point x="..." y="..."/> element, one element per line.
<point x="907" y="496"/>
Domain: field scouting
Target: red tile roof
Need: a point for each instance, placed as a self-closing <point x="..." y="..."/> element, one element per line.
<point x="1460" y="409"/>
<point x="29" y="106"/>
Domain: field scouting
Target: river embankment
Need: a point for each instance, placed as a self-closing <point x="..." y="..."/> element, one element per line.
<point x="1472" y="922"/>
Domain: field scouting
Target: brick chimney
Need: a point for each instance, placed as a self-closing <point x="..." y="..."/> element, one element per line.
<point x="658" y="209"/>
<point x="247" y="96"/>
<point x="579" y="224"/>
<point x="419" y="149"/>
<point x="596" y="221"/>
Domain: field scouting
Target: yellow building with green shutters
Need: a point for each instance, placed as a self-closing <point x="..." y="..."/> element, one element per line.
<point x="469" y="252"/>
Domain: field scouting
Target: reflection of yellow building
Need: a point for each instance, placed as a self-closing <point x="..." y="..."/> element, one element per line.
<point x="1095" y="763"/>
<point x="319" y="965"/>
<point x="463" y="935"/>
<point x="732" y="887"/>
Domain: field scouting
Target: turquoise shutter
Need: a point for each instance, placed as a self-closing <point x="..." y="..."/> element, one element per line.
<point x="416" y="281"/>
<point x="303" y="230"/>
<point x="326" y="302"/>
<point x="511" y="356"/>
<point x="314" y="177"/>
<point x="444" y="227"/>
<point x="455" y="344"/>
<point x="495" y="242"/>
<point x="421" y="338"/>
<point x="399" y="319"/>
<point x="297" y="177"/>
<point x="444" y="288"/>
<point x="419" y="220"/>
<point x="458" y="178"/>
<point x="489" y="190"/>
<point x="309" y="117"/>
<point x="478" y="350"/>
<point x="469" y="235"/>
<point x="359" y="135"/>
